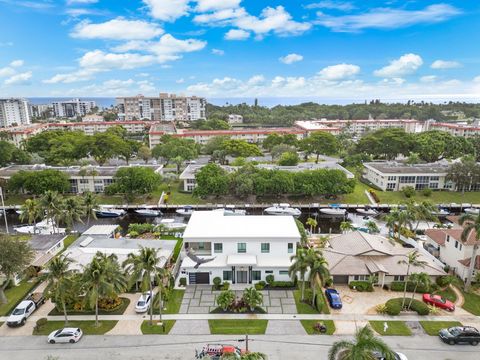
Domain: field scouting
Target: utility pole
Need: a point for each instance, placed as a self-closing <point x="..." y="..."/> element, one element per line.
<point x="246" y="343"/>
<point x="4" y="212"/>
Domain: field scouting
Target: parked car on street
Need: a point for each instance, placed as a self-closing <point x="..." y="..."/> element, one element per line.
<point x="398" y="356"/>
<point x="22" y="311"/>
<point x="460" y="335"/>
<point x="438" y="301"/>
<point x="333" y="298"/>
<point x="144" y="302"/>
<point x="65" y="335"/>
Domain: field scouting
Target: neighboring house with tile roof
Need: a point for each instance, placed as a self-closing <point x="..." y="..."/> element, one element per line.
<point x="357" y="255"/>
<point x="452" y="250"/>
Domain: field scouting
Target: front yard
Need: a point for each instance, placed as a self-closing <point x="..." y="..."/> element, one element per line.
<point x="157" y="329"/>
<point x="309" y="326"/>
<point x="16" y="294"/>
<point x="88" y="327"/>
<point x="472" y="302"/>
<point x="394" y="328"/>
<point x="237" y="327"/>
<point x="433" y="327"/>
<point x="173" y="304"/>
<point x="118" y="311"/>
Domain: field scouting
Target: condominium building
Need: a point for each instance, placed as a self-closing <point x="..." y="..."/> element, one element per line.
<point x="14" y="112"/>
<point x="135" y="108"/>
<point x="456" y="129"/>
<point x="235" y="119"/>
<point x="72" y="108"/>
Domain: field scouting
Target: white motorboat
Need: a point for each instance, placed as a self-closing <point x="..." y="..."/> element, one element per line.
<point x="366" y="211"/>
<point x="44" y="227"/>
<point x="19" y="212"/>
<point x="171" y="224"/>
<point x="106" y="211"/>
<point x="231" y="211"/>
<point x="333" y="210"/>
<point x="148" y="212"/>
<point x="282" y="209"/>
<point x="440" y="212"/>
<point x="472" y="211"/>
<point x="185" y="211"/>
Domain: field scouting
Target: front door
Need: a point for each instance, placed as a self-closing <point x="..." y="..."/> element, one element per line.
<point x="242" y="277"/>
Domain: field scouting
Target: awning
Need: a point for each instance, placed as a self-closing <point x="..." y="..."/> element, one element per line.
<point x="242" y="259"/>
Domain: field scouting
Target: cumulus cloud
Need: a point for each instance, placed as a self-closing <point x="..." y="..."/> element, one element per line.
<point x="339" y="72"/>
<point x="115" y="87"/>
<point x="80" y="75"/>
<point x="180" y="81"/>
<point x="98" y="59"/>
<point x="445" y="64"/>
<point x="117" y="29"/>
<point x="405" y="65"/>
<point x="211" y="5"/>
<point x="17" y="63"/>
<point x="388" y="18"/>
<point x="290" y="58"/>
<point x="167" y="10"/>
<point x="428" y="78"/>
<point x="218" y="52"/>
<point x="19" y="79"/>
<point x="332" y="5"/>
<point x="236" y="34"/>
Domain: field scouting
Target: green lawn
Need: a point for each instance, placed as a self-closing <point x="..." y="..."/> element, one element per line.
<point x="173" y="304"/>
<point x="395" y="328"/>
<point x="156" y="329"/>
<point x="177" y="197"/>
<point x="69" y="240"/>
<point x="119" y="311"/>
<point x="437" y="197"/>
<point x="88" y="327"/>
<point x="308" y="325"/>
<point x="448" y="294"/>
<point x="358" y="196"/>
<point x="472" y="303"/>
<point x="433" y="327"/>
<point x="177" y="249"/>
<point x="302" y="307"/>
<point x="16" y="294"/>
<point x="237" y="327"/>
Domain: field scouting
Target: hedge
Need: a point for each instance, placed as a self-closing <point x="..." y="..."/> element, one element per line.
<point x="321" y="303"/>
<point x="361" y="286"/>
<point x="400" y="286"/>
<point x="394" y="306"/>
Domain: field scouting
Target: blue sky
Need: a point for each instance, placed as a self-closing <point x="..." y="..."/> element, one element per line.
<point x="392" y="50"/>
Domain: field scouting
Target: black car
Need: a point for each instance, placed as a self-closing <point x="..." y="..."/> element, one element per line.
<point x="460" y="335"/>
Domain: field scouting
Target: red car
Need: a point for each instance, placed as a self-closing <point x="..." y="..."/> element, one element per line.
<point x="439" y="302"/>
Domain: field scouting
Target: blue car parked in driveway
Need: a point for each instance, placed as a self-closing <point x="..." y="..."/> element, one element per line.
<point x="333" y="298"/>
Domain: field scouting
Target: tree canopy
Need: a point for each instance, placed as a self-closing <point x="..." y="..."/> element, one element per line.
<point x="173" y="147"/>
<point x="135" y="180"/>
<point x="38" y="182"/>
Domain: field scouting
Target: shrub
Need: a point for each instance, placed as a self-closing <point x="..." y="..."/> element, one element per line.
<point x="259" y="286"/>
<point x="226" y="285"/>
<point x="133" y="234"/>
<point x="182" y="281"/>
<point x="443" y="281"/>
<point x="361" y="286"/>
<point x="381" y="308"/>
<point x="427" y="192"/>
<point x="394" y="306"/>
<point x="400" y="286"/>
<point x="282" y="284"/>
<point x="217" y="281"/>
<point x="141" y="228"/>
<point x="109" y="303"/>
<point x="321" y="303"/>
<point x="225" y="299"/>
<point x="419" y="307"/>
<point x="433" y="310"/>
<point x="270" y="279"/>
<point x="408" y="191"/>
<point x="319" y="327"/>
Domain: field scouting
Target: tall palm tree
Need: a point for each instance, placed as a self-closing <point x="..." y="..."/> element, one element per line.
<point x="50" y="203"/>
<point x="31" y="212"/>
<point x="72" y="211"/>
<point x="90" y="203"/>
<point x="402" y="218"/>
<point x="471" y="227"/>
<point x="418" y="279"/>
<point x="58" y="276"/>
<point x="346" y="226"/>
<point x="161" y="274"/>
<point x="318" y="271"/>
<point x="412" y="260"/>
<point x="420" y="212"/>
<point x="390" y="221"/>
<point x="361" y="348"/>
<point x="299" y="266"/>
<point x="312" y="223"/>
<point x="144" y="266"/>
<point x="372" y="227"/>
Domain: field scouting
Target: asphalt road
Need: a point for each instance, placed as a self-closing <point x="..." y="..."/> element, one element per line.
<point x="183" y="347"/>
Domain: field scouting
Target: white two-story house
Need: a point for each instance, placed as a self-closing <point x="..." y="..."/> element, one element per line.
<point x="242" y="249"/>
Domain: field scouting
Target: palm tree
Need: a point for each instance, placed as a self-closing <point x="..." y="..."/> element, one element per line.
<point x="50" y="203"/>
<point x="160" y="275"/>
<point x="372" y="227"/>
<point x="252" y="297"/>
<point x="390" y="221"/>
<point x="402" y="219"/>
<point x="58" y="276"/>
<point x="418" y="279"/>
<point x="90" y="203"/>
<point x="312" y="223"/>
<point x="413" y="259"/>
<point x="361" y="347"/>
<point x="72" y="211"/>
<point x="300" y="265"/>
<point x="30" y="212"/>
<point x="471" y="228"/>
<point x="346" y="226"/>
<point x="318" y="271"/>
<point x="144" y="266"/>
<point x="421" y="212"/>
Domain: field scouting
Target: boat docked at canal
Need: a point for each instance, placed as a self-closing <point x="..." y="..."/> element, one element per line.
<point x="44" y="227"/>
<point x="148" y="211"/>
<point x="366" y="211"/>
<point x="282" y="209"/>
<point x="333" y="210"/>
<point x="106" y="211"/>
<point x="185" y="210"/>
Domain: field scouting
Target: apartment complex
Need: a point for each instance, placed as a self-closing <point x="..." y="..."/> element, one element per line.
<point x="456" y="129"/>
<point x="165" y="107"/>
<point x="358" y="127"/>
<point x="72" y="108"/>
<point x="13" y="112"/>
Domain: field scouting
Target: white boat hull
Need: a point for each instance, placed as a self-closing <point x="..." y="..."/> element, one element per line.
<point x="149" y="213"/>
<point x="472" y="211"/>
<point x="334" y="212"/>
<point x="369" y="212"/>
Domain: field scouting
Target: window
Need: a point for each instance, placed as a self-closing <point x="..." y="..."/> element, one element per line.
<point x="227" y="275"/>
<point x="290" y="248"/>
<point x="84" y="181"/>
<point x="391" y="186"/>
<point x="265" y="247"/>
<point x="456" y="244"/>
<point x="242" y="248"/>
<point x="360" y="278"/>
<point x="217" y="248"/>
<point x="283" y="272"/>
<point x="268" y="271"/>
<point x="256" y="275"/>
<point x="399" y="278"/>
<point x="201" y="246"/>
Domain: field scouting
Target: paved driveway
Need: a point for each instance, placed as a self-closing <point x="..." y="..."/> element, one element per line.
<point x="200" y="299"/>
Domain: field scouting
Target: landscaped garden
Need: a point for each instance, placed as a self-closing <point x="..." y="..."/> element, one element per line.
<point x="433" y="327"/>
<point x="238" y="327"/>
<point x="156" y="328"/>
<point x="394" y="328"/>
<point x="314" y="327"/>
<point x="250" y="302"/>
<point x="115" y="306"/>
<point x="88" y="327"/>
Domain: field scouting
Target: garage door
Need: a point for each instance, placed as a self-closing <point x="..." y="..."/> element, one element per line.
<point x="340" y="279"/>
<point x="199" y="278"/>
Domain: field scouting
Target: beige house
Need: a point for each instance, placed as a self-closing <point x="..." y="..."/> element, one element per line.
<point x="357" y="256"/>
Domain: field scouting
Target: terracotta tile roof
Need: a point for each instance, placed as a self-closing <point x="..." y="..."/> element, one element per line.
<point x="466" y="262"/>
<point x="437" y="235"/>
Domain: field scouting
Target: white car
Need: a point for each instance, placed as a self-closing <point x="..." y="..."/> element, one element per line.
<point x="144" y="302"/>
<point x="19" y="315"/>
<point x="398" y="356"/>
<point x="65" y="335"/>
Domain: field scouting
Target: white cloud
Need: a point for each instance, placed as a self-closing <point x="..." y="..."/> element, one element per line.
<point x="212" y="5"/>
<point x="221" y="17"/>
<point x="180" y="81"/>
<point x="17" y="63"/>
<point x="339" y="72"/>
<point x="333" y="5"/>
<point x="236" y="34"/>
<point x="445" y="64"/>
<point x="115" y="87"/>
<point x="388" y="18"/>
<point x="256" y="80"/>
<point x="79" y="75"/>
<point x="82" y="2"/>
<point x="117" y="29"/>
<point x="167" y="10"/>
<point x="218" y="52"/>
<point x="405" y="65"/>
<point x="428" y="78"/>
<point x="476" y="79"/>
<point x="290" y="58"/>
<point x="100" y="60"/>
<point x="19" y="79"/>
<point x="6" y="71"/>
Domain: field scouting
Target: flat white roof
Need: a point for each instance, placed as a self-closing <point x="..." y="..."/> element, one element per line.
<point x="101" y="230"/>
<point x="214" y="225"/>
